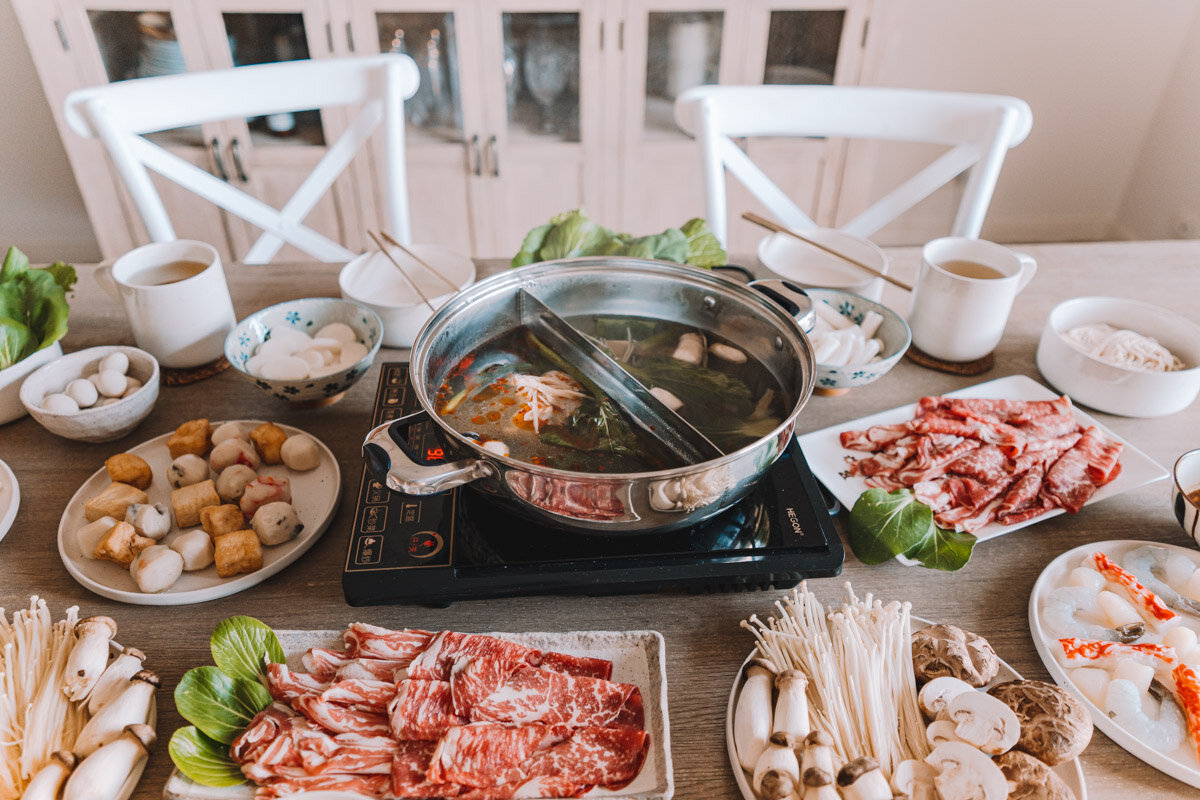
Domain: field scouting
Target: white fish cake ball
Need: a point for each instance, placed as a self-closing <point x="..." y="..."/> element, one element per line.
<point x="1139" y="675"/>
<point x="83" y="392"/>
<point x="156" y="568"/>
<point x="338" y="330"/>
<point x="276" y="348"/>
<point x="1086" y="577"/>
<point x="300" y="453"/>
<point x="112" y="383"/>
<point x="186" y="470"/>
<point x="1116" y="610"/>
<point x="115" y="361"/>
<point x="196" y="547"/>
<point x="59" y="403"/>
<point x="1181" y="637"/>
<point x="288" y="368"/>
<point x="353" y="353"/>
<point x="152" y="521"/>
<point x="233" y="451"/>
<point x="276" y="523"/>
<point x="1092" y="682"/>
<point x="227" y="430"/>
<point x="132" y="384"/>
<point x="231" y="483"/>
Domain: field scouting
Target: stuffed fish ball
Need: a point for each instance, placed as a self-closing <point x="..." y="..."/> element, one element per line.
<point x="276" y="523"/>
<point x="300" y="453"/>
<point x="231" y="483"/>
<point x="196" y="548"/>
<point x="153" y="521"/>
<point x="263" y="490"/>
<point x="233" y="451"/>
<point x="156" y="568"/>
<point x="227" y="430"/>
<point x="186" y="470"/>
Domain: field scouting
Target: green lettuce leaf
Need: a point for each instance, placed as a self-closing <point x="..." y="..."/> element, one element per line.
<point x="885" y="524"/>
<point x="670" y="245"/>
<point x="703" y="248"/>
<point x="572" y="234"/>
<point x="242" y="647"/>
<point x="205" y="761"/>
<point x="35" y="299"/>
<point x="16" y="342"/>
<point x="530" y="245"/>
<point x="220" y="706"/>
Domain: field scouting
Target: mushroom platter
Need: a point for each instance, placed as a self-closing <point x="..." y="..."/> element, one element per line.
<point x="866" y="702"/>
<point x="77" y="710"/>
<point x="1118" y="623"/>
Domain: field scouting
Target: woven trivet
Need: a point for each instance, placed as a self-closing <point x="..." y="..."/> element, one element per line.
<point x="976" y="367"/>
<point x="182" y="377"/>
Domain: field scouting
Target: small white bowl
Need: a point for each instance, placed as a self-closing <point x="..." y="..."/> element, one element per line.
<point x="308" y="315"/>
<point x="12" y="377"/>
<point x="1185" y="479"/>
<point x="1120" y="390"/>
<point x="893" y="332"/>
<point x="98" y="423"/>
<point x="810" y="266"/>
<point x="373" y="280"/>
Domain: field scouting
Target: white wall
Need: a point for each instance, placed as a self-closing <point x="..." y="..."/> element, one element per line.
<point x="41" y="210"/>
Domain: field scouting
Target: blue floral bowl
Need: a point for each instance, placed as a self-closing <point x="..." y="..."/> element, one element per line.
<point x="308" y="315"/>
<point x="893" y="332"/>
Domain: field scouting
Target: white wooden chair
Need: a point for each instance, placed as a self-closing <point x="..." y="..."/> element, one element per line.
<point x="119" y="113"/>
<point x="980" y="129"/>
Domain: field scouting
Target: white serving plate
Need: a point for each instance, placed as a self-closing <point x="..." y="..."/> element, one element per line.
<point x="315" y="496"/>
<point x="1180" y="763"/>
<point x="638" y="657"/>
<point x="827" y="457"/>
<point x="1071" y="771"/>
<point x="10" y="498"/>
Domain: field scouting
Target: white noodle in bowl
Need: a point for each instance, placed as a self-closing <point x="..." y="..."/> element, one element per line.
<point x="1122" y="347"/>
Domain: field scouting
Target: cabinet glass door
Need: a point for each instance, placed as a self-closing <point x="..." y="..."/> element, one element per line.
<point x="431" y="40"/>
<point x="683" y="49"/>
<point x="802" y="46"/>
<point x="541" y="75"/>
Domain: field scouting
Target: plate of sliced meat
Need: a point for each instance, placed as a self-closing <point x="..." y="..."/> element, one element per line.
<point x="412" y="713"/>
<point x="989" y="459"/>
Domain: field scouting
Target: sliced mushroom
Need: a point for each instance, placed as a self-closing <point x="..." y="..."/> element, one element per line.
<point x="1030" y="779"/>
<point x="914" y="779"/>
<point x="862" y="779"/>
<point x="985" y="722"/>
<point x="937" y="694"/>
<point x="948" y="650"/>
<point x="1055" y="726"/>
<point x="941" y="731"/>
<point x="964" y="773"/>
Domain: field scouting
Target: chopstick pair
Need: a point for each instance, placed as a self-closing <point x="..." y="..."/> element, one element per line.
<point x="383" y="249"/>
<point x="763" y="222"/>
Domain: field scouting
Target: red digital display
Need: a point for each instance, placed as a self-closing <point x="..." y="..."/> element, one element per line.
<point x="434" y="454"/>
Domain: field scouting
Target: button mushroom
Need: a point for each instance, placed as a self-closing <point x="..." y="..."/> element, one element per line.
<point x="940" y="650"/>
<point x="985" y="722"/>
<point x="862" y="779"/>
<point x="1030" y="779"/>
<point x="752" y="715"/>
<point x="935" y="695"/>
<point x="941" y="730"/>
<point x="777" y="773"/>
<point x="89" y="656"/>
<point x="964" y="773"/>
<point x="1055" y="726"/>
<point x="101" y="775"/>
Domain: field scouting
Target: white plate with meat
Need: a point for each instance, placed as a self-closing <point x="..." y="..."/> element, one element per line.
<point x="10" y="498"/>
<point x="830" y="460"/>
<point x="315" y="496"/>
<point x="1157" y="736"/>
<point x="637" y="658"/>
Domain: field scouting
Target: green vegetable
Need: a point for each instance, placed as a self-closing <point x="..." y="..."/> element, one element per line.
<point x="203" y="760"/>
<point x="572" y="234"/>
<point x="33" y="306"/>
<point x="595" y="426"/>
<point x="242" y="647"/>
<point x="884" y="525"/>
<point x="220" y="706"/>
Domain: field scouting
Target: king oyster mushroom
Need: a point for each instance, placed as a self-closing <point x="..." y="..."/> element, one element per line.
<point x="1055" y="727"/>
<point x="49" y="780"/>
<point x="964" y="773"/>
<point x="862" y="779"/>
<point x="939" y="650"/>
<point x="752" y="715"/>
<point x="1030" y="779"/>
<point x="89" y="656"/>
<point x="985" y="722"/>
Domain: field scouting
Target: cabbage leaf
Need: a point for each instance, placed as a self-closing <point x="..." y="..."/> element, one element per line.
<point x="571" y="234"/>
<point x="33" y="306"/>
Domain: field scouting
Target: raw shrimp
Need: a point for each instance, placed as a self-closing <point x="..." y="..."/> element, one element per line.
<point x="1148" y="604"/>
<point x="1060" y="614"/>
<point x="1147" y="563"/>
<point x="1123" y="703"/>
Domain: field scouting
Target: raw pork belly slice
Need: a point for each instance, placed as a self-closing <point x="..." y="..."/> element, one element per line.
<point x="553" y="698"/>
<point x="323" y="663"/>
<point x="608" y="757"/>
<point x="875" y="438"/>
<point x="365" y="785"/>
<point x="371" y="669"/>
<point x="437" y="660"/>
<point x="286" y="685"/>
<point x="365" y="695"/>
<point x="489" y="754"/>
<point x="371" y="641"/>
<point x="348" y="753"/>
<point x="339" y="718"/>
<point x="264" y="729"/>
<point x="422" y="710"/>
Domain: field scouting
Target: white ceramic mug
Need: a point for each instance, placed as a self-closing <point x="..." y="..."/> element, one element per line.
<point x="963" y="294"/>
<point x="176" y="299"/>
<point x="1186" y="476"/>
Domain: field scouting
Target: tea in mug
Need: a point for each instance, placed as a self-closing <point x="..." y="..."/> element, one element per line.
<point x="971" y="269"/>
<point x="171" y="272"/>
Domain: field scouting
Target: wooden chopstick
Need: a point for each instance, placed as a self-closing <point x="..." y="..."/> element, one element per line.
<point x="411" y="282"/>
<point x="419" y="260"/>
<point x="774" y="226"/>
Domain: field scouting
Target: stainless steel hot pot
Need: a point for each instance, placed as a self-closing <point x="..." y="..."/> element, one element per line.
<point x="610" y="503"/>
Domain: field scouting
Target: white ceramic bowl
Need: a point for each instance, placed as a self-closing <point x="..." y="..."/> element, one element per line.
<point x="893" y="332"/>
<point x="1120" y="390"/>
<point x="308" y="315"/>
<point x="12" y="377"/>
<point x="98" y="423"/>
<point x="1185" y="478"/>
<point x="810" y="266"/>
<point x="374" y="281"/>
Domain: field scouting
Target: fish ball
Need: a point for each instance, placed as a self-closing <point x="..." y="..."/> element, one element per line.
<point x="288" y="368"/>
<point x="338" y="330"/>
<point x="83" y="392"/>
<point x="276" y="523"/>
<point x="1086" y="577"/>
<point x="1181" y="638"/>
<point x="59" y="403"/>
<point x="1139" y="675"/>
<point x="156" y="568"/>
<point x="111" y="383"/>
<point x="231" y="483"/>
<point x="233" y="451"/>
<point x="227" y="430"/>
<point x="118" y="362"/>
<point x="353" y="353"/>
<point x="132" y="384"/>
<point x="300" y="453"/>
<point x="1092" y="682"/>
<point x="152" y="521"/>
<point x="1178" y="570"/>
<point x="196" y="547"/>
<point x="1116" y="610"/>
<point x="186" y="470"/>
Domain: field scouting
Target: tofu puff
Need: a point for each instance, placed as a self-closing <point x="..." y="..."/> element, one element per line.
<point x="189" y="500"/>
<point x="193" y="436"/>
<point x="269" y="439"/>
<point x="130" y="469"/>
<point x="219" y="520"/>
<point x="121" y="544"/>
<point x="237" y="552"/>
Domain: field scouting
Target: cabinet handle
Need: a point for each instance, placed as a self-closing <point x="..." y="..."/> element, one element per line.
<point x="473" y="157"/>
<point x="493" y="158"/>
<point x="621" y="35"/>
<point x="235" y="151"/>
<point x="350" y="37"/>
<point x="215" y="147"/>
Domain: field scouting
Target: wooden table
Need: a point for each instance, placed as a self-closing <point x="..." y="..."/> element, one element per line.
<point x="704" y="643"/>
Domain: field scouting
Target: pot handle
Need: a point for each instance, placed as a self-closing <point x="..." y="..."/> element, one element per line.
<point x="791" y="297"/>
<point x="389" y="459"/>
